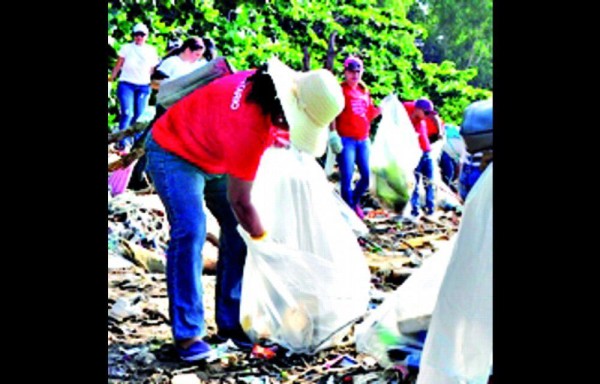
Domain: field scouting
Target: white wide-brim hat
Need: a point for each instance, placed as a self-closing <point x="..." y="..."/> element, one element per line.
<point x="310" y="100"/>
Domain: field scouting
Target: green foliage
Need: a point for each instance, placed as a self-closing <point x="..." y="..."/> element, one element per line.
<point x="445" y="86"/>
<point x="250" y="32"/>
<point x="461" y="31"/>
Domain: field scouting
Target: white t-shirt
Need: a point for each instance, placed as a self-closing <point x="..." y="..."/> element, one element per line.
<point x="174" y="67"/>
<point x="139" y="60"/>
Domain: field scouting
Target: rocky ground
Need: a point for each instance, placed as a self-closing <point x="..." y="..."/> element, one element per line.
<point x="140" y="349"/>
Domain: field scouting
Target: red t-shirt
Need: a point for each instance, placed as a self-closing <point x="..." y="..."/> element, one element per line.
<point x="216" y="129"/>
<point x="420" y="126"/>
<point x="355" y="119"/>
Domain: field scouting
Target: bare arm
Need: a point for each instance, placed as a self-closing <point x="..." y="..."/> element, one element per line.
<point x="117" y="68"/>
<point x="238" y="193"/>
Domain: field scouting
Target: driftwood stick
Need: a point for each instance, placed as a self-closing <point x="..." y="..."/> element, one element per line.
<point x="129" y="131"/>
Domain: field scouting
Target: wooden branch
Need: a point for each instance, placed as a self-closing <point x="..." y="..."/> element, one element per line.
<point x="126" y="160"/>
<point x="306" y="60"/>
<point x="331" y="51"/>
<point x="129" y="131"/>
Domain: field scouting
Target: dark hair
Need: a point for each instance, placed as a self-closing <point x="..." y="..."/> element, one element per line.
<point x="262" y="92"/>
<point x="210" y="45"/>
<point x="193" y="43"/>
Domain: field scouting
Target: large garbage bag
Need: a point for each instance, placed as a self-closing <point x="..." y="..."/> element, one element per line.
<point x="478" y="126"/>
<point x="458" y="347"/>
<point x="173" y="90"/>
<point x="405" y="312"/>
<point x="304" y="290"/>
<point x="395" y="154"/>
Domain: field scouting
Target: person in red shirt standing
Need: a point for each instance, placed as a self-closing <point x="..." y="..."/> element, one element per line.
<point x="419" y="111"/>
<point x="353" y="126"/>
<point x="207" y="147"/>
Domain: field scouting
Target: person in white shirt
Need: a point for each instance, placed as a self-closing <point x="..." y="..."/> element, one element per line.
<point x="185" y="59"/>
<point x="135" y="64"/>
<point x="180" y="61"/>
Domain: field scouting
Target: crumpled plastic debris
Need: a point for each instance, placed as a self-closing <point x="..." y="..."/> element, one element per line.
<point x="124" y="308"/>
<point x="186" y="378"/>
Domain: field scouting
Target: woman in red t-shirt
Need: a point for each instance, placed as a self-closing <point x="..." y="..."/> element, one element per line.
<point x="353" y="126"/>
<point x="207" y="148"/>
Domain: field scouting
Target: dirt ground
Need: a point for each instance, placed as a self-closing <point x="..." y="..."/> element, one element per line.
<point x="140" y="348"/>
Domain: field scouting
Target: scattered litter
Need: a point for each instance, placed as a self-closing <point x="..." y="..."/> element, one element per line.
<point x="139" y="334"/>
<point x="124" y="308"/>
<point x="187" y="378"/>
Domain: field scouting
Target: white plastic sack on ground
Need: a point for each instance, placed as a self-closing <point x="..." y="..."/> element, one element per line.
<point x="406" y="311"/>
<point x="458" y="347"/>
<point x="313" y="281"/>
<point x="395" y="153"/>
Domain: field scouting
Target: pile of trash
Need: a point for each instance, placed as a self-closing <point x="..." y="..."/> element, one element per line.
<point x="137" y="219"/>
<point x="140" y="345"/>
<point x="394" y="249"/>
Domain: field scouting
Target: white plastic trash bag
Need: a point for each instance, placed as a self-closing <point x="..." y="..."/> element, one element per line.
<point x="395" y="154"/>
<point x="458" y="347"/>
<point x="356" y="224"/>
<point x="304" y="289"/>
<point x="406" y="311"/>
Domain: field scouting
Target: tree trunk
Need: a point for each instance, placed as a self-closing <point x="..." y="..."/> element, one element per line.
<point x="306" y="60"/>
<point x="331" y="51"/>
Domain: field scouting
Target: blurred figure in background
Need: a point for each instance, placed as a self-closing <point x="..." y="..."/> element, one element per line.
<point x="418" y="111"/>
<point x="353" y="126"/>
<point x="134" y="66"/>
<point x="183" y="60"/>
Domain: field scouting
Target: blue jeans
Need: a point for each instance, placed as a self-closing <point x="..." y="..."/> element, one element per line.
<point x="447" y="169"/>
<point x="469" y="174"/>
<point x="133" y="100"/>
<point x="182" y="188"/>
<point x="354" y="152"/>
<point x="425" y="169"/>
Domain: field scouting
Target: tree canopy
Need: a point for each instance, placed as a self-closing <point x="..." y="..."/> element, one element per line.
<point x="460" y="31"/>
<point x="249" y="32"/>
